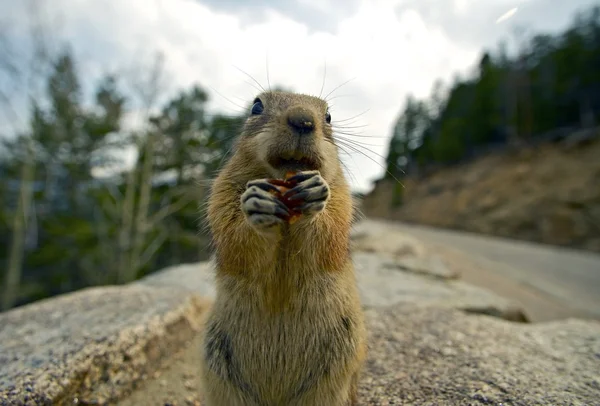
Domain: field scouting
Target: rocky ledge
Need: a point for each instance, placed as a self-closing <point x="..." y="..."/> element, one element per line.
<point x="92" y="346"/>
<point x="433" y="338"/>
<point x="437" y="356"/>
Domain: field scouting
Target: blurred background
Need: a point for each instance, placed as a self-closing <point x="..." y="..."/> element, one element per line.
<point x="114" y="116"/>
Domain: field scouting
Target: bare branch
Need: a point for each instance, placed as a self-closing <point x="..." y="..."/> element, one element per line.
<point x="148" y="92"/>
<point x="126" y="231"/>
<point x="152" y="248"/>
<point x="169" y="209"/>
<point x="16" y="252"/>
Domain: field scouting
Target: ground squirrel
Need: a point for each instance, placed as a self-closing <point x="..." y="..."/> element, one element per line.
<point x="286" y="327"/>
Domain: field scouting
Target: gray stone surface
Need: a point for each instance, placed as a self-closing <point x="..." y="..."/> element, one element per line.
<point x="376" y="237"/>
<point x="93" y="345"/>
<point x="408" y="252"/>
<point x="432" y="266"/>
<point x="197" y="278"/>
<point x="382" y="279"/>
<point x="434" y="356"/>
<point x="382" y="282"/>
<point x="569" y="277"/>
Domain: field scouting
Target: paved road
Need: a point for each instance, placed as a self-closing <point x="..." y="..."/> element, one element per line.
<point x="571" y="277"/>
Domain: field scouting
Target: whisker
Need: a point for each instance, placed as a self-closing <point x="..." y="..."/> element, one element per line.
<point x="216" y="142"/>
<point x="368" y="157"/>
<point x="348" y="171"/>
<point x="341" y="95"/>
<point x="219" y="93"/>
<point x="361" y="143"/>
<point x="241" y="99"/>
<point x="350" y="126"/>
<point x="336" y="88"/>
<point x="358" y="145"/>
<point x="352" y="118"/>
<point x="344" y="125"/>
<point x="324" y="75"/>
<point x="224" y="155"/>
<point x="357" y="135"/>
<point x="268" y="80"/>
<point x="253" y="86"/>
<point x="251" y="77"/>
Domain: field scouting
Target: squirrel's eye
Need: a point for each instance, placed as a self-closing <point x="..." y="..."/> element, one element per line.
<point x="257" y="107"/>
<point x="328" y="117"/>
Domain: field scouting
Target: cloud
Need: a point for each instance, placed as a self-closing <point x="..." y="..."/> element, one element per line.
<point x="317" y="15"/>
<point x="473" y="22"/>
<point x="386" y="48"/>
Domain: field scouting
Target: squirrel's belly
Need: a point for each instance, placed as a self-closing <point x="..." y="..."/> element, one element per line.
<point x="280" y="357"/>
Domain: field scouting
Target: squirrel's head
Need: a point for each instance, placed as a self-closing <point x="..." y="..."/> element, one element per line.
<point x="290" y="132"/>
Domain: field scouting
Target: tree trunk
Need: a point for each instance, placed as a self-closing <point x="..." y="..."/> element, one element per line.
<point x="141" y="218"/>
<point x="15" y="258"/>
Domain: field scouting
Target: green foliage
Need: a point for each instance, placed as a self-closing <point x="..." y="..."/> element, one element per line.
<point x="553" y="82"/>
<point x="397" y="194"/>
<point x="82" y="229"/>
<point x="223" y="131"/>
<point x="182" y="131"/>
<point x="407" y="134"/>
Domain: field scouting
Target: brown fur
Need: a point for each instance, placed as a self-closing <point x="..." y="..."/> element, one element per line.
<point x="286" y="327"/>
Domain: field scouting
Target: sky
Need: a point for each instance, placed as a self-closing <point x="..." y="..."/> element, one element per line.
<point x="378" y="50"/>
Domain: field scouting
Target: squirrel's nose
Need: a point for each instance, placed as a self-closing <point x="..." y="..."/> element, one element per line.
<point x="301" y="120"/>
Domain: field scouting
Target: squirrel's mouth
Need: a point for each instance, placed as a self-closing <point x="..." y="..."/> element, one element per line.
<point x="295" y="162"/>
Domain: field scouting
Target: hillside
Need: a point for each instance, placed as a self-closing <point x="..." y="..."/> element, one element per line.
<point x="549" y="193"/>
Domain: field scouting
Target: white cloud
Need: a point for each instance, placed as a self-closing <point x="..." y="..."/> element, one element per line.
<point x="389" y="54"/>
<point x="388" y="57"/>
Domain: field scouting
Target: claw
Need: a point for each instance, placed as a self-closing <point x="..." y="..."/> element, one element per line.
<point x="311" y="207"/>
<point x="295" y="196"/>
<point x="302" y="176"/>
<point x="282" y="211"/>
<point x="293" y="192"/>
<point x="266" y="186"/>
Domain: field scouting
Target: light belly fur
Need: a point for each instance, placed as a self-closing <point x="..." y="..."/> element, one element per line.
<point x="284" y="357"/>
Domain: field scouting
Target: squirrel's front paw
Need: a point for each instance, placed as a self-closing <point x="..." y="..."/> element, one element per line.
<point x="260" y="205"/>
<point x="311" y="190"/>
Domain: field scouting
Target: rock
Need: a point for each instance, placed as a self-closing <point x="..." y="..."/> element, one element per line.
<point x="409" y="253"/>
<point x="197" y="278"/>
<point x="368" y="236"/>
<point x="432" y="266"/>
<point x="433" y="356"/>
<point x="381" y="282"/>
<point x="91" y="346"/>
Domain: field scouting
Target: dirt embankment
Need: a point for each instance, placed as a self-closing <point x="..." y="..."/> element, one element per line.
<point x="548" y="194"/>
